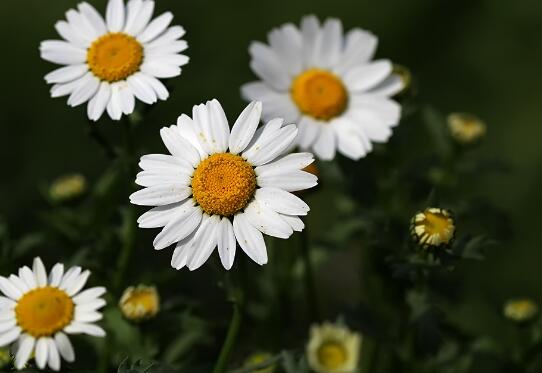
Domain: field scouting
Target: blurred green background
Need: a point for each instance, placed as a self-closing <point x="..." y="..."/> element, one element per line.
<point x="479" y="56"/>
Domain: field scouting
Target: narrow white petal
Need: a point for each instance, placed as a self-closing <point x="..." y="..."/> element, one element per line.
<point x="309" y="130"/>
<point x="366" y="76"/>
<point x="26" y="346"/>
<point x="18" y="283"/>
<point x="53" y="356"/>
<point x="141" y="20"/>
<point x="178" y="146"/>
<point x="187" y="219"/>
<point x="84" y="328"/>
<point x="41" y="352"/>
<point x="267" y="65"/>
<point x="66" y="31"/>
<point x="244" y="127"/>
<point x="98" y="103"/>
<point x="62" y="52"/>
<point x="185" y="126"/>
<point x="114" y="15"/>
<point x="93" y="17"/>
<point x="183" y="251"/>
<point x="204" y="242"/>
<point x="64" y="347"/>
<point x="266" y="220"/>
<point x="290" y="162"/>
<point x="64" y="89"/>
<point x="309" y="31"/>
<point x="158" y="216"/>
<point x="281" y="201"/>
<point x="290" y="181"/>
<point x="114" y="105"/>
<point x="325" y="144"/>
<point x="160" y="195"/>
<point x="169" y="48"/>
<point x="78" y="283"/>
<point x="226" y="243"/>
<point x="348" y="141"/>
<point x="360" y="47"/>
<point x="268" y="148"/>
<point x="328" y="43"/>
<point x="66" y="74"/>
<point x="160" y="69"/>
<point x="9" y="336"/>
<point x="8" y="289"/>
<point x="295" y="222"/>
<point x="6" y="313"/>
<point x="275" y="104"/>
<point x="133" y="7"/>
<point x="69" y="277"/>
<point x="56" y="274"/>
<point x="155" y="28"/>
<point x="89" y="295"/>
<point x="169" y="36"/>
<point x="157" y="86"/>
<point x="141" y="89"/>
<point x="287" y="44"/>
<point x="39" y="272"/>
<point x="84" y="316"/>
<point x="250" y="239"/>
<point x="7" y="303"/>
<point x="88" y="86"/>
<point x="7" y="325"/>
<point x="91" y="305"/>
<point x="127" y="99"/>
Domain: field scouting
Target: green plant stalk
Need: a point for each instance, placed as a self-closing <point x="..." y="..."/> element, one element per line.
<point x="310" y="286"/>
<point x="231" y="336"/>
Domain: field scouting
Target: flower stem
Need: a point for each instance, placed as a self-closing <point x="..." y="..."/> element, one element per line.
<point x="101" y="140"/>
<point x="233" y="331"/>
<point x="310" y="286"/>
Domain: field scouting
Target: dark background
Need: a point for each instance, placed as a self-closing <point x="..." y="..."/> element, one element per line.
<point x="479" y="56"/>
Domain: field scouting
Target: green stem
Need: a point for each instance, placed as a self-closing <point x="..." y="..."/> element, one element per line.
<point x="310" y="286"/>
<point x="101" y="140"/>
<point x="231" y="337"/>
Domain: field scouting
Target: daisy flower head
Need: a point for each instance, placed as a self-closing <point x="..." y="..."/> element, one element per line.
<point x="433" y="227"/>
<point x="110" y="62"/>
<point x="220" y="187"/>
<point x="333" y="349"/>
<point x="329" y="84"/>
<point x="139" y="303"/>
<point x="38" y="310"/>
<point x="466" y="129"/>
<point x="520" y="310"/>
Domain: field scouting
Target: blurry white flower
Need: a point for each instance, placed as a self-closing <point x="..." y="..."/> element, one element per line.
<point x="111" y="62"/>
<point x="219" y="187"/>
<point x="38" y="310"/>
<point x="328" y="83"/>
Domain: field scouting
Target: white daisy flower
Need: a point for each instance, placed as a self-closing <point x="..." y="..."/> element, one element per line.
<point x="219" y="187"/>
<point x="328" y="83"/>
<point x="38" y="311"/>
<point x="111" y="62"/>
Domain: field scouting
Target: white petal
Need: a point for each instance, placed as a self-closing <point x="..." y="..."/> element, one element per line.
<point x="185" y="126"/>
<point x="114" y="15"/>
<point x="290" y="181"/>
<point x="18" y="283"/>
<point x="387" y="110"/>
<point x="127" y="99"/>
<point x="160" y="69"/>
<point x="92" y="305"/>
<point x="133" y="7"/>
<point x="328" y="43"/>
<point x="250" y="239"/>
<point x="267" y="65"/>
<point x="294" y="221"/>
<point x="366" y="76"/>
<point x="62" y="52"/>
<point x="81" y="25"/>
<point x="267" y="221"/>
<point x="360" y="47"/>
<point x="7" y="303"/>
<point x="160" y="195"/>
<point x="226" y="243"/>
<point x="65" y="30"/>
<point x="96" y="106"/>
<point x="63" y="89"/>
<point x="89" y="295"/>
<point x="141" y="89"/>
<point x="69" y="277"/>
<point x="281" y="201"/>
<point x="64" y="347"/>
<point x="390" y="86"/>
<point x="212" y="126"/>
<point x="267" y="148"/>
<point x="275" y="104"/>
<point x="369" y="122"/>
<point x="88" y="86"/>
<point x="309" y="130"/>
<point x="171" y="35"/>
<point x="186" y="220"/>
<point x="178" y="146"/>
<point x="114" y="106"/>
<point x="159" y="176"/>
<point x="158" y="216"/>
<point x="204" y="242"/>
<point x="26" y="346"/>
<point x="56" y="274"/>
<point x="6" y="313"/>
<point x="244" y="127"/>
<point x="8" y="289"/>
<point x="9" y="336"/>
<point x="348" y="141"/>
<point x="286" y="42"/>
<point x="85" y="316"/>
<point x="156" y="85"/>
<point x="290" y="162"/>
<point x="183" y="250"/>
<point x="325" y="144"/>
<point x="39" y="272"/>
<point x="84" y="328"/>
<point x="163" y="161"/>
<point x="53" y="355"/>
<point x="155" y="28"/>
<point x="41" y="352"/>
<point x="78" y="283"/>
<point x="7" y="325"/>
<point x="66" y="74"/>
<point x="169" y="48"/>
<point x="28" y="277"/>
<point x="309" y="31"/>
<point x="93" y="17"/>
<point x="141" y="20"/>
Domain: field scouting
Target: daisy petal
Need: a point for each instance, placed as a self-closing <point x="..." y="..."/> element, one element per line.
<point x="53" y="356"/>
<point x="66" y="74"/>
<point x="93" y="17"/>
<point x="309" y="130"/>
<point x="84" y="328"/>
<point x="69" y="277"/>
<point x="155" y="28"/>
<point x="89" y="295"/>
<point x="114" y="106"/>
<point x="360" y="47"/>
<point x="141" y="89"/>
<point x="39" y="272"/>
<point x="78" y="283"/>
<point x="62" y="53"/>
<point x="41" y="352"/>
<point x="187" y="219"/>
<point x="267" y="221"/>
<point x="142" y="19"/>
<point x="294" y="221"/>
<point x="325" y="144"/>
<point x="64" y="347"/>
<point x="10" y="336"/>
<point x="160" y="195"/>
<point x="250" y="239"/>
<point x="244" y="127"/>
<point x="290" y="181"/>
<point x="26" y="346"/>
<point x="269" y="147"/>
<point x="390" y="86"/>
<point x="8" y="289"/>
<point x="226" y="243"/>
<point x="205" y="239"/>
<point x="178" y="146"/>
<point x="309" y="31"/>
<point x="114" y="15"/>
<point x="281" y="201"/>
<point x="267" y="65"/>
<point x="328" y="43"/>
<point x="366" y="76"/>
<point x="28" y="277"/>
<point x="182" y="252"/>
<point x="56" y="274"/>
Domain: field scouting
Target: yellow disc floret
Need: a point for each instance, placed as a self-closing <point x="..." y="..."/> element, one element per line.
<point x="319" y="93"/>
<point x="433" y="227"/>
<point x="114" y="56"/>
<point x="223" y="184"/>
<point x="44" y="311"/>
<point x="140" y="303"/>
<point x="332" y="355"/>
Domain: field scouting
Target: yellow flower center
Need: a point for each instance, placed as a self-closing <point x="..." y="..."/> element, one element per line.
<point x="466" y="128"/>
<point x="319" y="93"/>
<point x="44" y="311"/>
<point x="140" y="303"/>
<point x="331" y="355"/>
<point x="434" y="227"/>
<point x="223" y="184"/>
<point x="114" y="56"/>
<point x="520" y="310"/>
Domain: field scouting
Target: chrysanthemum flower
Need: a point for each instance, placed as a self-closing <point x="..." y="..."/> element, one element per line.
<point x="466" y="128"/>
<point x="328" y="83"/>
<point x="219" y="187"/>
<point x="520" y="310"/>
<point x="139" y="303"/>
<point x="111" y="62"/>
<point x="67" y="187"/>
<point x="333" y="349"/>
<point x="39" y="310"/>
<point x="433" y="227"/>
